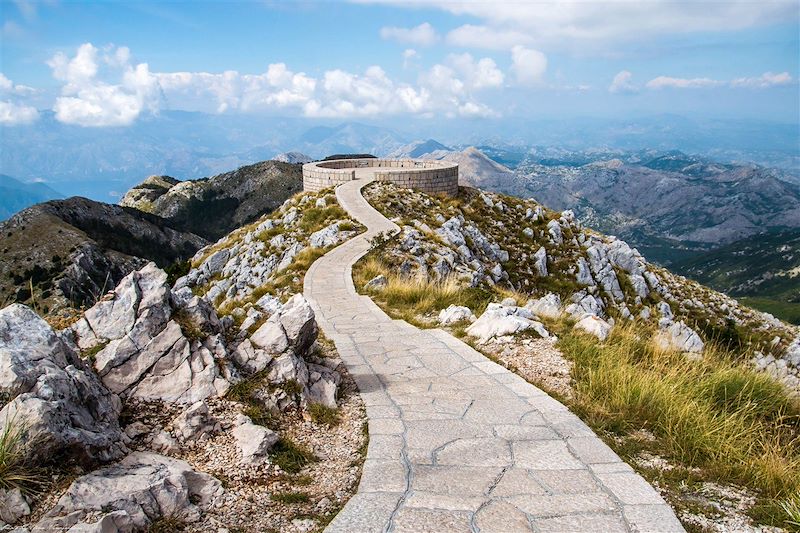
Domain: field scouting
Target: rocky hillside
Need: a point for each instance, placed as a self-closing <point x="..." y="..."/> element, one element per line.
<point x="212" y="207"/>
<point x="68" y="253"/>
<point x="485" y="239"/>
<point x="206" y="404"/>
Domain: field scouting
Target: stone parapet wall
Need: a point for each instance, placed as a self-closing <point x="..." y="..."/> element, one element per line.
<point x="424" y="175"/>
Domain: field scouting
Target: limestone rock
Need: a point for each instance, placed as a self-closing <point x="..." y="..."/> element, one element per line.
<point x="254" y="442"/>
<point x="297" y="319"/>
<point x="146" y="353"/>
<point x="454" y="314"/>
<point x="548" y="306"/>
<point x="678" y="336"/>
<point x="378" y="282"/>
<point x="327" y="236"/>
<point x="13" y="506"/>
<point x="594" y="325"/>
<point x="499" y="320"/>
<point x="195" y="422"/>
<point x="58" y="401"/>
<point x="540" y="262"/>
<point x="132" y="494"/>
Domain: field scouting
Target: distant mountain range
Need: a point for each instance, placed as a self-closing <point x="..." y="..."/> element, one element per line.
<point x="103" y="163"/>
<point x="16" y="195"/>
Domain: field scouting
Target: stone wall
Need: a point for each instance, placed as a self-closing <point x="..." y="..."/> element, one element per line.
<point x="426" y="176"/>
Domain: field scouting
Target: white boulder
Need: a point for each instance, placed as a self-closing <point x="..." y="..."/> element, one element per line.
<point x="254" y="442"/>
<point x="678" y="336"/>
<point x="454" y="314"/>
<point x="594" y="325"/>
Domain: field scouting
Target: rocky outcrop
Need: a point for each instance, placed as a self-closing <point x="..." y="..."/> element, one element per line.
<point x="500" y="320"/>
<point x="56" y="401"/>
<point x="254" y="442"/>
<point x="594" y="325"/>
<point x="454" y="314"/>
<point x="679" y="337"/>
<point x="72" y="251"/>
<point x="145" y="353"/>
<point x="131" y="495"/>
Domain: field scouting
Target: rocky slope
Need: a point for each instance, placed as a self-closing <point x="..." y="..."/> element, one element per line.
<point x="485" y="239"/>
<point x="156" y="395"/>
<point x="212" y="207"/>
<point x="67" y="253"/>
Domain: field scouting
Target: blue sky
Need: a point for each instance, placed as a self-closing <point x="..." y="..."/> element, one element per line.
<point x="100" y="64"/>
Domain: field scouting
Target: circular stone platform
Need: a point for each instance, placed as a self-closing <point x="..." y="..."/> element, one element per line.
<point x="424" y="175"/>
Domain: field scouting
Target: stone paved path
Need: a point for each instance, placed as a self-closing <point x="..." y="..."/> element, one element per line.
<point x="457" y="442"/>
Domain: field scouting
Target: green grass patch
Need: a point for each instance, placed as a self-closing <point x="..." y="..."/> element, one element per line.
<point x="290" y="497"/>
<point x="291" y="457"/>
<point x="15" y="470"/>
<point x="736" y="425"/>
<point x="324" y="415"/>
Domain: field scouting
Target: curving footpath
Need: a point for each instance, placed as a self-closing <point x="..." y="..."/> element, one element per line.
<point x="457" y="442"/>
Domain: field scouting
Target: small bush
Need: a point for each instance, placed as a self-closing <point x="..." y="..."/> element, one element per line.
<point x="290" y="497"/>
<point x="167" y="524"/>
<point x="15" y="471"/>
<point x="291" y="457"/>
<point x="324" y="415"/>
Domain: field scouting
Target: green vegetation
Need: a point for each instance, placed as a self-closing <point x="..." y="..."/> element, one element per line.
<point x="323" y="415"/>
<point x="761" y="271"/>
<point x="409" y="298"/>
<point x="15" y="472"/>
<point x="167" y="524"/>
<point x="290" y="497"/>
<point x="732" y="424"/>
<point x="291" y="457"/>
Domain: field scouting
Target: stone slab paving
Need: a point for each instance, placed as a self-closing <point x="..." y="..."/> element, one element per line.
<point x="457" y="442"/>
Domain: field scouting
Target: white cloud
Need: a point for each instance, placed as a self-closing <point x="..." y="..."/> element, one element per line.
<point x="560" y="22"/>
<point x="471" y="36"/>
<point x="422" y="35"/>
<point x="622" y="83"/>
<point x="476" y="74"/>
<point x="11" y="113"/>
<point x="104" y="87"/>
<point x="409" y="55"/>
<point x="768" y="79"/>
<point x="88" y="100"/>
<point x="528" y="65"/>
<point x="663" y="82"/>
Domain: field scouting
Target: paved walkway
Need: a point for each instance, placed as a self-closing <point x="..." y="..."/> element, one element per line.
<point x="457" y="442"/>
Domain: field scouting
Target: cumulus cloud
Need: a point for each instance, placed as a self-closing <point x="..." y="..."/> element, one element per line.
<point x="104" y="87"/>
<point x="622" y="83"/>
<point x="566" y="21"/>
<point x="11" y="111"/>
<point x="422" y="35"/>
<point x="768" y="79"/>
<point x="409" y="55"/>
<point x="478" y="74"/>
<point x="88" y="100"/>
<point x="528" y="65"/>
<point x="664" y="82"/>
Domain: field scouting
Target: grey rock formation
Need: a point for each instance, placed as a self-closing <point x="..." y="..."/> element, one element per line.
<point x="146" y="354"/>
<point x="13" y="507"/>
<point x="678" y="336"/>
<point x="132" y="494"/>
<point x="56" y="400"/>
<point x="549" y="306"/>
<point x="454" y="314"/>
<point x="254" y="442"/>
<point x="594" y="325"/>
<point x="499" y="320"/>
<point x="195" y="423"/>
